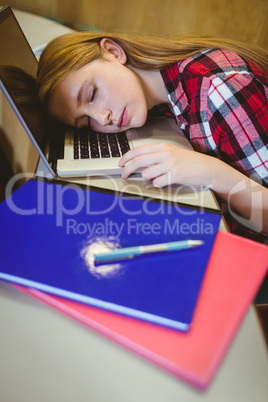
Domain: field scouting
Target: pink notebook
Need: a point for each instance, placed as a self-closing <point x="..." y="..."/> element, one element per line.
<point x="236" y="269"/>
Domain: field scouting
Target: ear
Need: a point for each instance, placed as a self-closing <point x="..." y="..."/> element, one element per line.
<point x="111" y="48"/>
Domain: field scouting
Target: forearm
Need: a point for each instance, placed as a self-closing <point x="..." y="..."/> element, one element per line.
<point x="247" y="200"/>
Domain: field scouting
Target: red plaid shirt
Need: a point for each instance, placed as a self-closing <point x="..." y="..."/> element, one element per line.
<point x="221" y="103"/>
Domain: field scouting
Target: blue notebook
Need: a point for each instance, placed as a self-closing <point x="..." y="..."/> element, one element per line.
<point x="50" y="232"/>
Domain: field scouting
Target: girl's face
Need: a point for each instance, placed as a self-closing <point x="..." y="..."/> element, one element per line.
<point x="105" y="94"/>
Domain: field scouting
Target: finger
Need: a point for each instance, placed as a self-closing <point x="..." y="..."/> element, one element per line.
<point x="163" y="180"/>
<point x="156" y="170"/>
<point x="142" y="161"/>
<point x="138" y="151"/>
<point x="134" y="165"/>
<point x="161" y="175"/>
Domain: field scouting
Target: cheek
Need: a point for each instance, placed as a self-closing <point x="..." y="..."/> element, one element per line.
<point x="113" y="91"/>
<point x="122" y="84"/>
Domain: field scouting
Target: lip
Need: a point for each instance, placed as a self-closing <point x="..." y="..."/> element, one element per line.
<point x="123" y="119"/>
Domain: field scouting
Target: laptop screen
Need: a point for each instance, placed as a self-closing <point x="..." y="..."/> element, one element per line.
<point x="18" y="67"/>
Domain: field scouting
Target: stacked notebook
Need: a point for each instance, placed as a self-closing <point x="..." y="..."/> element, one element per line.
<point x="52" y="232"/>
<point x="179" y="310"/>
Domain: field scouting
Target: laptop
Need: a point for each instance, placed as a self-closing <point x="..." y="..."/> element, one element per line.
<point x="66" y="152"/>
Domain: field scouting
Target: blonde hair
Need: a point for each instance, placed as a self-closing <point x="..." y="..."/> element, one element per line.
<point x="72" y="51"/>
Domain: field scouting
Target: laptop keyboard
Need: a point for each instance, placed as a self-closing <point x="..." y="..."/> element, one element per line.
<point x="88" y="144"/>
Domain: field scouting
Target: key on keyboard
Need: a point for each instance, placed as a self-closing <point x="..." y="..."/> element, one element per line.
<point x="88" y="144"/>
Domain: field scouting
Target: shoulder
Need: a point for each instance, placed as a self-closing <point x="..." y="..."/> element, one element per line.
<point x="206" y="67"/>
<point x="214" y="63"/>
<point x="224" y="70"/>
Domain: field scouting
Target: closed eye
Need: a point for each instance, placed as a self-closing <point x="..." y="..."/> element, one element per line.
<point x="93" y="95"/>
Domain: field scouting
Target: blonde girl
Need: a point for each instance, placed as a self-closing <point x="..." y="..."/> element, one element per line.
<point x="216" y="90"/>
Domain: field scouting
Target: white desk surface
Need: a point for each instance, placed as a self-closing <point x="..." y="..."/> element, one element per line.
<point x="45" y="356"/>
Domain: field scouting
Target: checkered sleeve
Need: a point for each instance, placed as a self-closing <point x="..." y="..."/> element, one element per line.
<point x="237" y="114"/>
<point x="221" y="102"/>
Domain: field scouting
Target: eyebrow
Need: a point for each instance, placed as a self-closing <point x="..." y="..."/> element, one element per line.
<point x="79" y="95"/>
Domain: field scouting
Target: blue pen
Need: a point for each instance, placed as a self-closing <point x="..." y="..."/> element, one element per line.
<point x="132" y="252"/>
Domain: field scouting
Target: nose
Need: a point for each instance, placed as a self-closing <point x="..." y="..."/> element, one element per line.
<point x="105" y="117"/>
<point x="101" y="117"/>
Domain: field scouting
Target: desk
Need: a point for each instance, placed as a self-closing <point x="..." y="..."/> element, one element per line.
<point x="46" y="356"/>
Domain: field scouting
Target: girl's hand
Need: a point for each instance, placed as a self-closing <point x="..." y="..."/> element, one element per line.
<point x="166" y="164"/>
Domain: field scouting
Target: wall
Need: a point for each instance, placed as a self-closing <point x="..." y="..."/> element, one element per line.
<point x="244" y="20"/>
